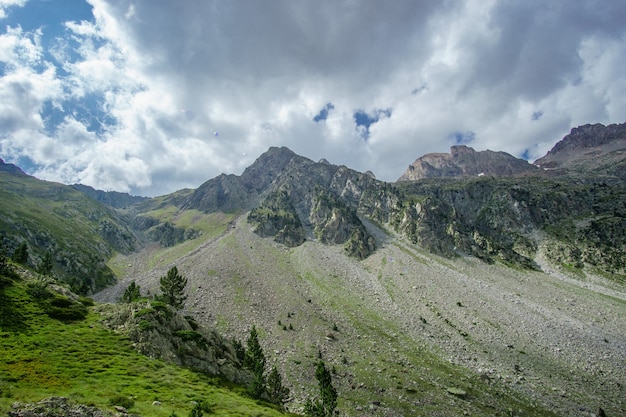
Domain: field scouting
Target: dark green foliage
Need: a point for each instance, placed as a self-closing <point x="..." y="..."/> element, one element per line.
<point x="240" y="350"/>
<point x="4" y="261"/>
<point x="173" y="288"/>
<point x="200" y="408"/>
<point x="277" y="217"/>
<point x="122" y="401"/>
<point x="132" y="293"/>
<point x="46" y="265"/>
<point x="20" y="255"/>
<point x="325" y="405"/>
<point x="64" y="309"/>
<point x="277" y="392"/>
<point x="191" y="336"/>
<point x="255" y="361"/>
<point x="38" y="289"/>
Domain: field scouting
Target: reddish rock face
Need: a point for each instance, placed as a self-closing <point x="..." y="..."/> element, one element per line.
<point x="463" y="161"/>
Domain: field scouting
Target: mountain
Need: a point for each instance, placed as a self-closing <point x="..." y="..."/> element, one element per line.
<point x="10" y="168"/>
<point x="590" y="148"/>
<point x="473" y="295"/>
<point x="111" y="198"/>
<point x="463" y="161"/>
<point x="80" y="233"/>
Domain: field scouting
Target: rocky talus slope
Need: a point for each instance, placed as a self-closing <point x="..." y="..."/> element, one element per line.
<point x="403" y="326"/>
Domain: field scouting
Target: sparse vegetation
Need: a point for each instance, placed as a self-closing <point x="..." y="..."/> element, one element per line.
<point x="173" y="288"/>
<point x="132" y="293"/>
<point x="326" y="402"/>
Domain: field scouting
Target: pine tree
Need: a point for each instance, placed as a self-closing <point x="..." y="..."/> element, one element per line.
<point x="45" y="267"/>
<point x="4" y="260"/>
<point x="325" y="405"/>
<point x="278" y="393"/>
<point x="255" y="361"/>
<point x="20" y="255"/>
<point x="173" y="288"/>
<point x="132" y="293"/>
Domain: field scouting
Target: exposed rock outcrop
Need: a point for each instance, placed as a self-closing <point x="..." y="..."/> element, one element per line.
<point x="590" y="148"/>
<point x="57" y="407"/>
<point x="159" y="331"/>
<point x="463" y="161"/>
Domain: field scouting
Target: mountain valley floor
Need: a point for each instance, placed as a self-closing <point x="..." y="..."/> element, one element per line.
<point x="404" y="328"/>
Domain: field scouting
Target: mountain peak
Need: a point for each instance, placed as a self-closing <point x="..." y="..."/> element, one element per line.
<point x="464" y="161"/>
<point x="10" y="168"/>
<point x="588" y="147"/>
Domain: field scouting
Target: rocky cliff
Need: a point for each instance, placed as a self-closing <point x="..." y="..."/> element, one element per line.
<point x="161" y="332"/>
<point x="463" y="161"/>
<point x="590" y="148"/>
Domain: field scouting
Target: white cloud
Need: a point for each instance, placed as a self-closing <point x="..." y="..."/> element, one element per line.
<point x="145" y="84"/>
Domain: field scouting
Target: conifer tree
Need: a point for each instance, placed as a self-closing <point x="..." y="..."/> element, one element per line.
<point x="45" y="267"/>
<point x="325" y="405"/>
<point x="132" y="293"/>
<point x="173" y="288"/>
<point x="20" y="255"/>
<point x="255" y="361"/>
<point x="275" y="389"/>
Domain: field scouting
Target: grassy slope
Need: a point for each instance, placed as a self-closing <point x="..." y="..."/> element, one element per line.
<point x="50" y="215"/>
<point x="41" y="357"/>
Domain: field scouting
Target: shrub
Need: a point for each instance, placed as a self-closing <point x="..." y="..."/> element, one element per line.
<point x="122" y="401"/>
<point x="145" y="325"/>
<point x="64" y="309"/>
<point x="191" y="336"/>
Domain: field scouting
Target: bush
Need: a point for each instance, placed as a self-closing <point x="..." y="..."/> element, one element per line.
<point x="191" y="336"/>
<point x="39" y="289"/>
<point x="64" y="309"/>
<point x="122" y="401"/>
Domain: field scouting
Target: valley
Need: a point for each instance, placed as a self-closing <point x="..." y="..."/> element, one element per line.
<point x="409" y="324"/>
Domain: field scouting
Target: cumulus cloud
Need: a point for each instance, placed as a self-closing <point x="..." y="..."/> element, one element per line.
<point x="129" y="99"/>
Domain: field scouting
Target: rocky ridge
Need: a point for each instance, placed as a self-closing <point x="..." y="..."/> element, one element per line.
<point x="464" y="161"/>
<point x="590" y="148"/>
<point x="161" y="332"/>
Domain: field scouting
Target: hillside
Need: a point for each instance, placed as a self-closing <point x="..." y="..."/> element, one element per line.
<point x="495" y="294"/>
<point x="92" y="368"/>
<point x="79" y="233"/>
<point x="403" y="325"/>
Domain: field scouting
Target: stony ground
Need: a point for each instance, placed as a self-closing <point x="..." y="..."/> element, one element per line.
<point x="556" y="338"/>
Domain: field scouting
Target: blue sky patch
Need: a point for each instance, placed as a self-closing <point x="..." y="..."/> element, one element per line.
<point x="463" y="138"/>
<point x="364" y="120"/>
<point x="323" y="114"/>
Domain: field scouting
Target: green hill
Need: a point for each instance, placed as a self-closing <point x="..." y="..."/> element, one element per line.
<point x="80" y="233"/>
<point x="42" y="357"/>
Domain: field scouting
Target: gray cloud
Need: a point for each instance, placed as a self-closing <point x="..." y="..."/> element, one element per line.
<point x="162" y="76"/>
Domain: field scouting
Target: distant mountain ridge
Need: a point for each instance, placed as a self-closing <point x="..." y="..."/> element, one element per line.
<point x="464" y="161"/>
<point x="4" y="167"/>
<point x="112" y="198"/>
<point x="590" y="148"/>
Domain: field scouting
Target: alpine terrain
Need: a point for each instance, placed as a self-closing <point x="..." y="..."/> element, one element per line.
<point x="477" y="284"/>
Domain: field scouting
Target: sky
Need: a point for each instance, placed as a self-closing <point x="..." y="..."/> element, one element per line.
<point x="152" y="96"/>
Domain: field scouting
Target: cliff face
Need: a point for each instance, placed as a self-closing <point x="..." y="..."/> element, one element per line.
<point x="590" y="149"/>
<point x="463" y="161"/>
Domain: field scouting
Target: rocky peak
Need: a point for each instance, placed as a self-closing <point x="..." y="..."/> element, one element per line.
<point x="464" y="161"/>
<point x="14" y="169"/>
<point x="589" y="148"/>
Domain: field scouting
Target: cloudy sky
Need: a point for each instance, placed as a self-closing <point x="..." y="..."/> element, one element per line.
<point x="150" y="96"/>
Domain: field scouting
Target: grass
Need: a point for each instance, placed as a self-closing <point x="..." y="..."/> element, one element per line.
<point x="41" y="357"/>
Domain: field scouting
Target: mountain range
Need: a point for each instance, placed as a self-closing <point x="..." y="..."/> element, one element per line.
<point x="476" y="272"/>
